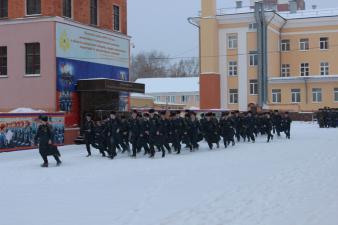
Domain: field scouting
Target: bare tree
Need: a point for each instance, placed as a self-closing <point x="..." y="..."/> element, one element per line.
<point x="158" y="64"/>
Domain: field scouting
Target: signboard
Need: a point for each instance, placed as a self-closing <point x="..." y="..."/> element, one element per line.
<point x="91" y="46"/>
<point x="17" y="131"/>
<point x="87" y="54"/>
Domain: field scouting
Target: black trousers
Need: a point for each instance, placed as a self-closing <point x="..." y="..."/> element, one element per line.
<point x="45" y="158"/>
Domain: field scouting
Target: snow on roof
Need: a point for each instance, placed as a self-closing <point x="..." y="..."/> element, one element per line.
<point x="143" y="96"/>
<point x="309" y="13"/>
<point x="170" y="84"/>
<point x="26" y="110"/>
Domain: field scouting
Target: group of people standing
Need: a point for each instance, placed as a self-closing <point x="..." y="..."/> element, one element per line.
<point x="166" y="131"/>
<point x="327" y="118"/>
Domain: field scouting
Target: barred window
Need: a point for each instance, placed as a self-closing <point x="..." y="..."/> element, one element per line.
<point x="93" y="12"/>
<point x="67" y="8"/>
<point x="116" y="18"/>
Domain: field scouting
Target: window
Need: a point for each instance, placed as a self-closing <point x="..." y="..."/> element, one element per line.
<point x="3" y="61"/>
<point x="158" y="98"/>
<point x="253" y="26"/>
<point x="197" y="98"/>
<point x="285" y="45"/>
<point x="172" y="99"/>
<point x="232" y="41"/>
<point x="324" y="43"/>
<point x="324" y="68"/>
<point x="233" y="95"/>
<point x="276" y="96"/>
<point x="285" y="70"/>
<point x="116" y="18"/>
<point x="253" y="87"/>
<point x="316" y="94"/>
<point x="253" y="59"/>
<point x="304" y="69"/>
<point x="232" y="69"/>
<point x="304" y="44"/>
<point x="336" y="94"/>
<point x="33" y="7"/>
<point x="67" y="8"/>
<point x="32" y="58"/>
<point x="93" y="12"/>
<point x="295" y="95"/>
<point x="184" y="98"/>
<point x="3" y="8"/>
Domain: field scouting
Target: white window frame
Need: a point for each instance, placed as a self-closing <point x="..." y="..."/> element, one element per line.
<point x="304" y="44"/>
<point x="324" y="68"/>
<point x="158" y="98"/>
<point x="324" y="43"/>
<point x="304" y="69"/>
<point x="197" y="98"/>
<point x="285" y="45"/>
<point x="335" y="94"/>
<point x="285" y="70"/>
<point x="233" y="96"/>
<point x="317" y="96"/>
<point x="296" y="95"/>
<point x="253" y="26"/>
<point x="172" y="99"/>
<point x="252" y="61"/>
<point x="253" y="87"/>
<point x="232" y="41"/>
<point x="276" y="96"/>
<point x="232" y="68"/>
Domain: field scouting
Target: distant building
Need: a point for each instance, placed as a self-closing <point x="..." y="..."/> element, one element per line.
<point x="174" y="93"/>
<point x="267" y="59"/>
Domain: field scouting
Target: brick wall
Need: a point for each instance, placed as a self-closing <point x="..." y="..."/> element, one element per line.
<point x="81" y="11"/>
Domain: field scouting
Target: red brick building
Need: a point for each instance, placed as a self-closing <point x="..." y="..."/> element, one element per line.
<point x="48" y="47"/>
<point x="80" y="10"/>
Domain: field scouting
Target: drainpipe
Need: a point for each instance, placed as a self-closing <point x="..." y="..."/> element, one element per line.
<point x="199" y="41"/>
<point x="259" y="53"/>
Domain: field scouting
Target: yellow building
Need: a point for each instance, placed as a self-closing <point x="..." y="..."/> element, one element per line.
<point x="273" y="60"/>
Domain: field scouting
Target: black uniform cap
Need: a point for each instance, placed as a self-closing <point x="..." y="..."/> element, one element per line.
<point x="112" y="113"/>
<point x="162" y="113"/>
<point x="146" y="115"/>
<point x="135" y="111"/>
<point x="89" y="115"/>
<point x="44" y="118"/>
<point x="151" y="111"/>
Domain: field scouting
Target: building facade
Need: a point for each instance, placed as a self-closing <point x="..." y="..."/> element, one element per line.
<point x="46" y="47"/>
<point x="267" y="59"/>
<point x="171" y="93"/>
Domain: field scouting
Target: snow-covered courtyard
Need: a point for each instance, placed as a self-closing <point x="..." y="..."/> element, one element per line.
<point x="286" y="182"/>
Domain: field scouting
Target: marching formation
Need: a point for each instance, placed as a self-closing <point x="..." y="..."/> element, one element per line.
<point x="166" y="131"/>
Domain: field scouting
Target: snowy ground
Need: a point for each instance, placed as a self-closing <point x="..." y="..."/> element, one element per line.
<point x="286" y="182"/>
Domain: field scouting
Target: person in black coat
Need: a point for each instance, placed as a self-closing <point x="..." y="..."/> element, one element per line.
<point x="113" y="126"/>
<point x="176" y="131"/>
<point x="286" y="124"/>
<point x="134" y="128"/>
<point x="194" y="131"/>
<point x="226" y="129"/>
<point x="124" y="134"/>
<point x="89" y="133"/>
<point x="277" y="123"/>
<point x="44" y="139"/>
<point x="237" y="123"/>
<point x="249" y="124"/>
<point x="142" y="141"/>
<point x="211" y="131"/>
<point x="267" y="126"/>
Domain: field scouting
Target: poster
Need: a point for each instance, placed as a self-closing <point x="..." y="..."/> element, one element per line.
<point x="87" y="54"/>
<point x="17" y="131"/>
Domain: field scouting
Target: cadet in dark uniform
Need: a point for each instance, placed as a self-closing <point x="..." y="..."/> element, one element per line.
<point x="113" y="125"/>
<point x="267" y="126"/>
<point x="134" y="128"/>
<point x="44" y="138"/>
<point x="124" y="134"/>
<point x="277" y="122"/>
<point x="211" y="131"/>
<point x="89" y="132"/>
<point x="176" y="131"/>
<point x="249" y="123"/>
<point x="144" y="134"/>
<point x="226" y="129"/>
<point x="286" y="124"/>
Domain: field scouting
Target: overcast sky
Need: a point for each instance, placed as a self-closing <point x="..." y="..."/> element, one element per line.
<point x="162" y="24"/>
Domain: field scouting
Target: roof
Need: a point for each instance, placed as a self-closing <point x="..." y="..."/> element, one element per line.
<point x="312" y="13"/>
<point x="170" y="84"/>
